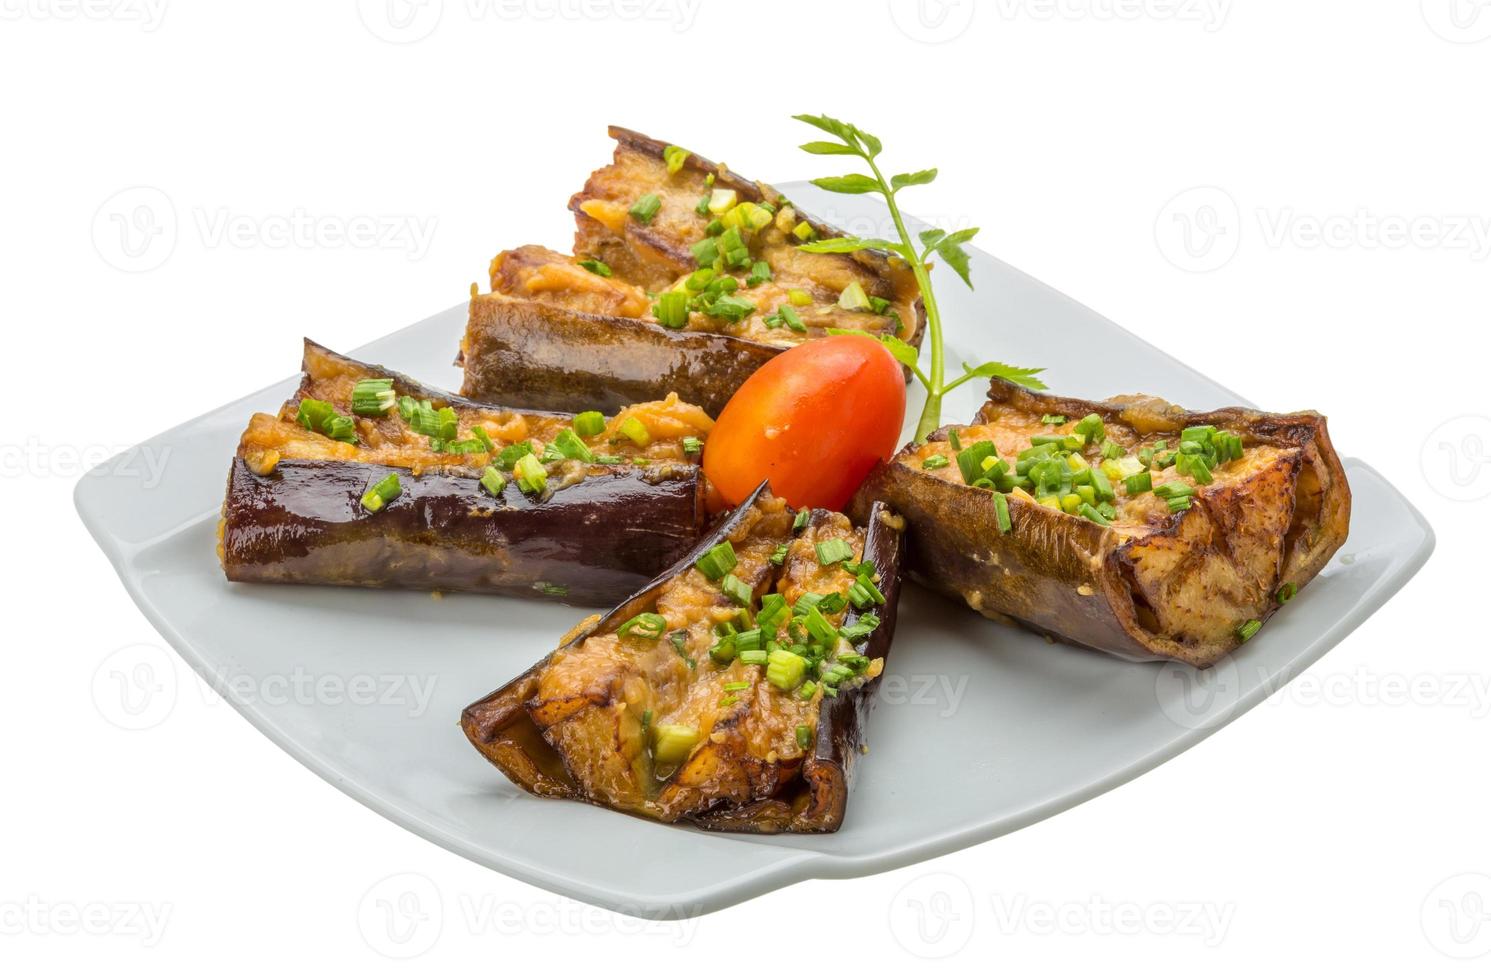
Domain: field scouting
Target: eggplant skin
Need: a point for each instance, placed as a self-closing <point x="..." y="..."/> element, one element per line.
<point x="586" y="544"/>
<point x="502" y="729"/>
<point x="1176" y="591"/>
<point x="536" y="355"/>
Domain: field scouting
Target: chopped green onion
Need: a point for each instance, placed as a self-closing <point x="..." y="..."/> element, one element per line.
<point x="934" y="462"/>
<point x="1178" y="504"/>
<point x="753" y="657"/>
<point x="571" y="446"/>
<point x="864" y="593"/>
<point x="860" y="628"/>
<point x="1111" y="449"/>
<point x="807" y="690"/>
<point x="853" y="297"/>
<point x="1002" y="513"/>
<point x="611" y="459"/>
<point x="834" y="550"/>
<point x="1101" y="486"/>
<point x="804" y="736"/>
<point x="737" y="590"/>
<point x="645" y="209"/>
<point x="799" y="297"/>
<point x="671" y="744"/>
<point x="878" y="305"/>
<point x="819" y="627"/>
<point x="1198" y="433"/>
<point x="692" y="445"/>
<point x="721" y="199"/>
<point x="803" y="232"/>
<point x="760" y="272"/>
<point x="530" y="474"/>
<point x="380" y="493"/>
<point x="706" y="251"/>
<point x="702" y="207"/>
<point x="672" y="310"/>
<point x="738" y="686"/>
<point x="509" y="456"/>
<point x="731" y="309"/>
<point x="373" y="396"/>
<point x="1286" y="592"/>
<point x="675" y="157"/>
<point x="634" y="430"/>
<point x="1053" y="420"/>
<point x="589" y="424"/>
<point x="646" y="626"/>
<point x="492" y="481"/>
<point x="970" y="460"/>
<point x="322" y="417"/>
<point x="779" y="555"/>
<point x="1248" y="630"/>
<point x="1174" y="488"/>
<point x="1138" y="483"/>
<point x="773" y="611"/>
<point x="717" y="561"/>
<point x="791" y="319"/>
<point x="784" y="669"/>
<point x="596" y="266"/>
<point x="1092" y="514"/>
<point x="1090" y="429"/>
<point x="800" y="521"/>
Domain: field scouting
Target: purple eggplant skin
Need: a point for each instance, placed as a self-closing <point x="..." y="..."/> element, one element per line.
<point x="520" y="352"/>
<point x="501" y="729"/>
<point x="586" y="543"/>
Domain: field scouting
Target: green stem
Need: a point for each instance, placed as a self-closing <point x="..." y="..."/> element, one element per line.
<point x="931" y="415"/>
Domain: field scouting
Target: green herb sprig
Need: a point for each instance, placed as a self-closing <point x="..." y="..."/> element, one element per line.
<point x="948" y="246"/>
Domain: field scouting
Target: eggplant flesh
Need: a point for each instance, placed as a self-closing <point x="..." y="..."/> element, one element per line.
<point x="661" y="728"/>
<point x="294" y="511"/>
<point x="1153" y="584"/>
<point x="556" y="335"/>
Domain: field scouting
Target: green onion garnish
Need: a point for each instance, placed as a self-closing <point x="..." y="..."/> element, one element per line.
<point x="864" y="593"/>
<point x="834" y="550"/>
<point x="380" y="493"/>
<point x="1093" y="514"/>
<point x="589" y="424"/>
<point x="373" y="397"/>
<point x="671" y="744"/>
<point x="1248" y="630"/>
<point x="807" y="690"/>
<point x="645" y="208"/>
<point x="773" y="612"/>
<point x="675" y="157"/>
<point x="717" y="561"/>
<point x="784" y="669"/>
<point x="738" y="686"/>
<point x="800" y="521"/>
<point x="530" y="474"/>
<point x="804" y="736"/>
<point x="1138" y="483"/>
<point x="510" y="455"/>
<point x="779" y="555"/>
<point x="791" y="319"/>
<point x="970" y="460"/>
<point x="1053" y="420"/>
<point x="731" y="309"/>
<point x="803" y="232"/>
<point x="1002" y="513"/>
<point x="1090" y="429"/>
<point x="692" y="445"/>
<point x="737" y="590"/>
<point x="596" y="266"/>
<point x="1173" y="489"/>
<point x="799" y="297"/>
<point x="1286" y="592"/>
<point x="760" y="272"/>
<point x="646" y="626"/>
<point x="571" y="446"/>
<point x="492" y="481"/>
<point x="634" y="430"/>
<point x="753" y="657"/>
<point x="322" y="417"/>
<point x="672" y="309"/>
<point x="934" y="462"/>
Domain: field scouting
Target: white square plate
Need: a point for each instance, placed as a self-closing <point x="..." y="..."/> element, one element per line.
<point x="1023" y="729"/>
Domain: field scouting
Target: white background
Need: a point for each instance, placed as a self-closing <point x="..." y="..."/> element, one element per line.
<point x="1322" y="831"/>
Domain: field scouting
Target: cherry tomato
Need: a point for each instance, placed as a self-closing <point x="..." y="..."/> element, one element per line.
<point x="812" y="420"/>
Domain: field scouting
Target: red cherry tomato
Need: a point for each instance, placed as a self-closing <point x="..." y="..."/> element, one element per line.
<point x="812" y="420"/>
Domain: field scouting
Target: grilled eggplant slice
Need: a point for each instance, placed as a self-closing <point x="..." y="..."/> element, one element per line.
<point x="1172" y="535"/>
<point x="468" y="512"/>
<point x="670" y="707"/>
<point x="556" y="334"/>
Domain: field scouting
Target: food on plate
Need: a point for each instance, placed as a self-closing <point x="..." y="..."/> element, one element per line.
<point x="812" y="422"/>
<point x="366" y="477"/>
<point x="685" y="277"/>
<point x="1131" y="526"/>
<point x="732" y="692"/>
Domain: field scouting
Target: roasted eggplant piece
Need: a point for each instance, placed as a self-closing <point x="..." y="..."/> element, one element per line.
<point x="679" y="705"/>
<point x="1129" y="526"/>
<point x="368" y="478"/>
<point x="732" y="290"/>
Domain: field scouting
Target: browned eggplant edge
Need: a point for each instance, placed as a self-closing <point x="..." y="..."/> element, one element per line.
<point x="945" y="517"/>
<point x="586" y="543"/>
<point x="501" y="729"/>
